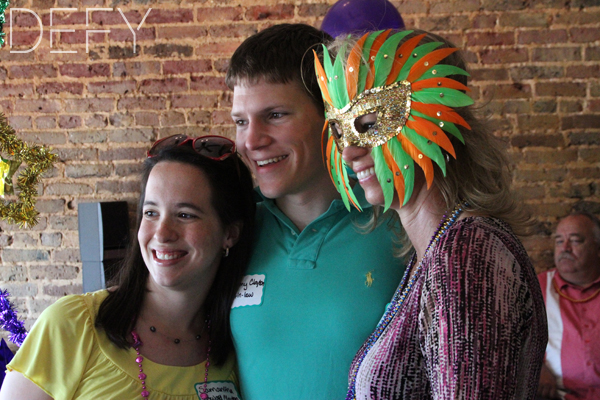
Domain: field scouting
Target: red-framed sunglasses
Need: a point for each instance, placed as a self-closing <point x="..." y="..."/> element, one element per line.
<point x="216" y="148"/>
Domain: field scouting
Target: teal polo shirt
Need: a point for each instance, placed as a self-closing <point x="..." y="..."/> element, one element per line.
<point x="309" y="301"/>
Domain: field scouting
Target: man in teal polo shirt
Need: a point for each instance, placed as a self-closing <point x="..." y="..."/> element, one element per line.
<point x="317" y="284"/>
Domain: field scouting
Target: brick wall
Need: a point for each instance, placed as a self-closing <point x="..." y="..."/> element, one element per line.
<point x="535" y="67"/>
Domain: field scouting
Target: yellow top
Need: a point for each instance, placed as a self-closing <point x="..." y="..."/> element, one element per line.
<point x="68" y="358"/>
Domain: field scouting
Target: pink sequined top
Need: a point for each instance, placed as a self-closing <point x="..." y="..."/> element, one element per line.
<point x="472" y="327"/>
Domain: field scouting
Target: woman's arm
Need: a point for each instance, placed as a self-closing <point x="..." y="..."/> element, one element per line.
<point x="16" y="386"/>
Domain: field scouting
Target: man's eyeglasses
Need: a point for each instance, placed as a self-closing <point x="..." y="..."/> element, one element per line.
<point x="216" y="148"/>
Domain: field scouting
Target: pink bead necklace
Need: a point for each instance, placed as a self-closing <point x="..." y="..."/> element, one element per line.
<point x="137" y="343"/>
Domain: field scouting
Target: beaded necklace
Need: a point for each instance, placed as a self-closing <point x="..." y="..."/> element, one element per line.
<point x="401" y="294"/>
<point x="142" y="376"/>
<point x="572" y="300"/>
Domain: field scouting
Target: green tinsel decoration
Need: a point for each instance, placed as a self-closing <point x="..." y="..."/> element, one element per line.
<point x="38" y="159"/>
<point x="3" y="7"/>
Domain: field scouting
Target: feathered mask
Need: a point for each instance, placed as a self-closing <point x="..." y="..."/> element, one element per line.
<point x="413" y="99"/>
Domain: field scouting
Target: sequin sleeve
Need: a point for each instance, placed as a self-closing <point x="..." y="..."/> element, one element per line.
<point x="477" y="314"/>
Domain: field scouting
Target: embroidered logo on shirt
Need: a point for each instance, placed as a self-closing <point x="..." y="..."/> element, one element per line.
<point x="250" y="292"/>
<point x="369" y="281"/>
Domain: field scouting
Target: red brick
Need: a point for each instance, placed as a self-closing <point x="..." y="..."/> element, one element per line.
<point x="131" y="135"/>
<point x="69" y="121"/>
<point x="571" y="89"/>
<point x="186" y="66"/>
<point x="123" y="153"/>
<point x="194" y="101"/>
<point x="120" y="52"/>
<point x="552" y="54"/>
<point x="119" y="186"/>
<point x="67" y="189"/>
<point x="121" y="119"/>
<point x="313" y="10"/>
<point x="87" y="170"/>
<point x="541" y="175"/>
<point x="592" y="54"/>
<point x="119" y="87"/>
<point x="64" y="18"/>
<point x="485" y="21"/>
<point x="24" y="40"/>
<point x="221" y="118"/>
<point x="123" y="69"/>
<point x="78" y="37"/>
<point x="574" y="17"/>
<point x="207" y="83"/>
<point x="550" y="156"/>
<point x="234" y="30"/>
<point x="199" y="117"/>
<point x="435" y="24"/>
<point x="584" y="35"/>
<point x="45" y="122"/>
<point x="490" y="38"/>
<point x="181" y="32"/>
<point x="168" y="85"/>
<point x="542" y="36"/>
<point x="96" y="121"/>
<point x="146" y="118"/>
<point x="143" y="103"/>
<point x="591" y="173"/>
<point x="164" y="50"/>
<point x="38" y="106"/>
<point x="16" y="90"/>
<point x="593" y="105"/>
<point x="85" y="70"/>
<point x="531" y="123"/>
<point x="60" y="87"/>
<point x="544" y="106"/>
<point x="125" y="35"/>
<point x="18" y="122"/>
<point x="504" y="56"/>
<point x="31" y="71"/>
<point x="219" y="14"/>
<point x="172" y="118"/>
<point x="583" y="71"/>
<point x="276" y="12"/>
<point x="585" y="121"/>
<point x="503" y="5"/>
<point x="87" y="136"/>
<point x="524" y="19"/>
<point x="516" y="90"/>
<point x="104" y="18"/>
<point x="89" y="105"/>
<point x="179" y="16"/>
<point x="584" y="137"/>
<point x="590" y="155"/>
<point x="534" y="72"/>
<point x="48" y="138"/>
<point x="218" y="48"/>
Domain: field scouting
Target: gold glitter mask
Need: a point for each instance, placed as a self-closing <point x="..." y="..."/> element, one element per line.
<point x="392" y="105"/>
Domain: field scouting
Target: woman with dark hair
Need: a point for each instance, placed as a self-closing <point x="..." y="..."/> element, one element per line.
<point x="467" y="320"/>
<point x="162" y="331"/>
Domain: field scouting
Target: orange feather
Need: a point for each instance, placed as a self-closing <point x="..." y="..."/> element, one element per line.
<point x="353" y="63"/>
<point x="428" y="61"/>
<point x="322" y="79"/>
<point x="424" y="163"/>
<point x="377" y="43"/>
<point x="433" y="83"/>
<point x="406" y="50"/>
<point x="447" y="113"/>
<point x="426" y="128"/>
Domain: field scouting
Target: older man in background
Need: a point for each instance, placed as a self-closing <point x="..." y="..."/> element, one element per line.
<point x="571" y="292"/>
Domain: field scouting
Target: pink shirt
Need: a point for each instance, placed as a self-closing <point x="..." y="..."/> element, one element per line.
<point x="573" y="352"/>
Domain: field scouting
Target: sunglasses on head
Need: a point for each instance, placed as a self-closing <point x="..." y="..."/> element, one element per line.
<point x="216" y="148"/>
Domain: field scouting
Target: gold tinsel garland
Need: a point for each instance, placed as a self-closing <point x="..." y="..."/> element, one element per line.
<point x="38" y="160"/>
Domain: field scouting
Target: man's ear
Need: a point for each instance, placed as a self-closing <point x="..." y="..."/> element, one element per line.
<point x="232" y="234"/>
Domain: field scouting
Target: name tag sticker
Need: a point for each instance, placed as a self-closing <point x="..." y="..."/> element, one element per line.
<point x="218" y="390"/>
<point x="250" y="292"/>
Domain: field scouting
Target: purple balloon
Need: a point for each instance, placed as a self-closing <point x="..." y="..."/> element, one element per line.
<point x="358" y="16"/>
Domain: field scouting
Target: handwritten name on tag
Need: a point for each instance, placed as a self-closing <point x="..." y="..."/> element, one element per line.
<point x="250" y="292"/>
<point x="218" y="390"/>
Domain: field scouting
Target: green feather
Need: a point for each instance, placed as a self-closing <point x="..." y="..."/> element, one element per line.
<point x="449" y="127"/>
<point x="345" y="168"/>
<point x="384" y="175"/>
<point x="450" y="97"/>
<point x="383" y="65"/>
<point x="402" y="160"/>
<point x="364" y="65"/>
<point x="328" y="67"/>
<point x="420" y="51"/>
<point x="427" y="147"/>
<point x="441" y="71"/>
<point x="340" y="82"/>
<point x="337" y="180"/>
